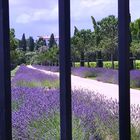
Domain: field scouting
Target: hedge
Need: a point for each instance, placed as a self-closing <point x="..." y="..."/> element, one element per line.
<point x="108" y="64"/>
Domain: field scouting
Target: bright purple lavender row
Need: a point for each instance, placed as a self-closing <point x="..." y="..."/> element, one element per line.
<point x="92" y="109"/>
<point x="40" y="101"/>
<point x="36" y="103"/>
<point x="107" y="75"/>
<point x="31" y="75"/>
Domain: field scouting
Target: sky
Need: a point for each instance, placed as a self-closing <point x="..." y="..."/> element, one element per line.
<point x="40" y="17"/>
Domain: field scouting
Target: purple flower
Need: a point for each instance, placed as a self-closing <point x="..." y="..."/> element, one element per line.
<point x="98" y="115"/>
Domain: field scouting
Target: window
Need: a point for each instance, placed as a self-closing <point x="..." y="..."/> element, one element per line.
<point x="65" y="84"/>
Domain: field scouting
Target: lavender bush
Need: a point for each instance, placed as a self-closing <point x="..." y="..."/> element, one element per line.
<point x="135" y="78"/>
<point x="33" y="78"/>
<point x="35" y="111"/>
<point x="107" y="75"/>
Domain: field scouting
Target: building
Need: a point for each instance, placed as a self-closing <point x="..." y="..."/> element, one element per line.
<point x="47" y="37"/>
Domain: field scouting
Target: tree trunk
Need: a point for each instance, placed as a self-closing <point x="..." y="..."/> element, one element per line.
<point x="57" y="63"/>
<point x="74" y="64"/>
<point x="112" y="60"/>
<point x="99" y="62"/>
<point x="82" y="64"/>
<point x="88" y="63"/>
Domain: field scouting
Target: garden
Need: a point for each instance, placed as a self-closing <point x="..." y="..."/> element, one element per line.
<point x="35" y="109"/>
<point x="105" y="75"/>
<point x="94" y="55"/>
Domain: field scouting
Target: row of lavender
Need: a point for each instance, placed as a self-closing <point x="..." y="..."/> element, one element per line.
<point x="107" y="75"/>
<point x="100" y="74"/>
<point x="35" y="110"/>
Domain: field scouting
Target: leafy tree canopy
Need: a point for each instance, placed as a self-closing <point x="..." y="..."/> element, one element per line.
<point x="13" y="40"/>
<point x="40" y="42"/>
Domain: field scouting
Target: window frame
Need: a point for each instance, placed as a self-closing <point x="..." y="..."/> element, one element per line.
<point x="65" y="71"/>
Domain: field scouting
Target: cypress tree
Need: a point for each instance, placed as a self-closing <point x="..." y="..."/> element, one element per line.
<point x="52" y="41"/>
<point x="75" y="30"/>
<point x="23" y="43"/>
<point x="31" y="44"/>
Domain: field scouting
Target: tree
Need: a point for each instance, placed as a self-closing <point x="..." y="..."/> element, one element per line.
<point x="97" y="32"/>
<point x="29" y="56"/>
<point x="80" y="42"/>
<point x="109" y="32"/>
<point x="23" y="43"/>
<point x="13" y="40"/>
<point x="53" y="55"/>
<point x="52" y="41"/>
<point x="135" y="49"/>
<point x="40" y="42"/>
<point x="135" y="30"/>
<point x="97" y="38"/>
<point x="75" y="30"/>
<point x="31" y="44"/>
<point x="48" y="57"/>
<point x="135" y="41"/>
<point x="13" y="49"/>
<point x="74" y="54"/>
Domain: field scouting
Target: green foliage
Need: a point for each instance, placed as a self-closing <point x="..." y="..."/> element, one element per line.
<point x="104" y="38"/>
<point x="48" y="56"/>
<point x="106" y="64"/>
<point x="23" y="43"/>
<point x="135" y="30"/>
<point x="135" y="133"/>
<point x="99" y="62"/>
<point x="81" y="43"/>
<point x="85" y="45"/>
<point x="13" y="72"/>
<point x="31" y="44"/>
<point x="17" y="57"/>
<point x="49" y="128"/>
<point x="40" y="42"/>
<point x="97" y="32"/>
<point x="109" y="33"/>
<point x="46" y="83"/>
<point x="13" y="40"/>
<point x="137" y="64"/>
<point x="52" y="41"/>
<point x="53" y="54"/>
<point x="29" y="57"/>
<point x="92" y="64"/>
<point x="135" y="49"/>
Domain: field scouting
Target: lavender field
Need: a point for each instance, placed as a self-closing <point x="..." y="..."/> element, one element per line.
<point x="99" y="74"/>
<point x="35" y="110"/>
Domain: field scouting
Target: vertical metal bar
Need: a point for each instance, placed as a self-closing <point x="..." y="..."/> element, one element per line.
<point x="124" y="74"/>
<point x="65" y="70"/>
<point x="5" y="85"/>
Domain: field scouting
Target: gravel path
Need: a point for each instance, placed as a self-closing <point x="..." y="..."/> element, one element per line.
<point x="106" y="89"/>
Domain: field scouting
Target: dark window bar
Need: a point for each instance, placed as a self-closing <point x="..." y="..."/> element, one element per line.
<point x="5" y="90"/>
<point x="65" y="70"/>
<point x="124" y="74"/>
